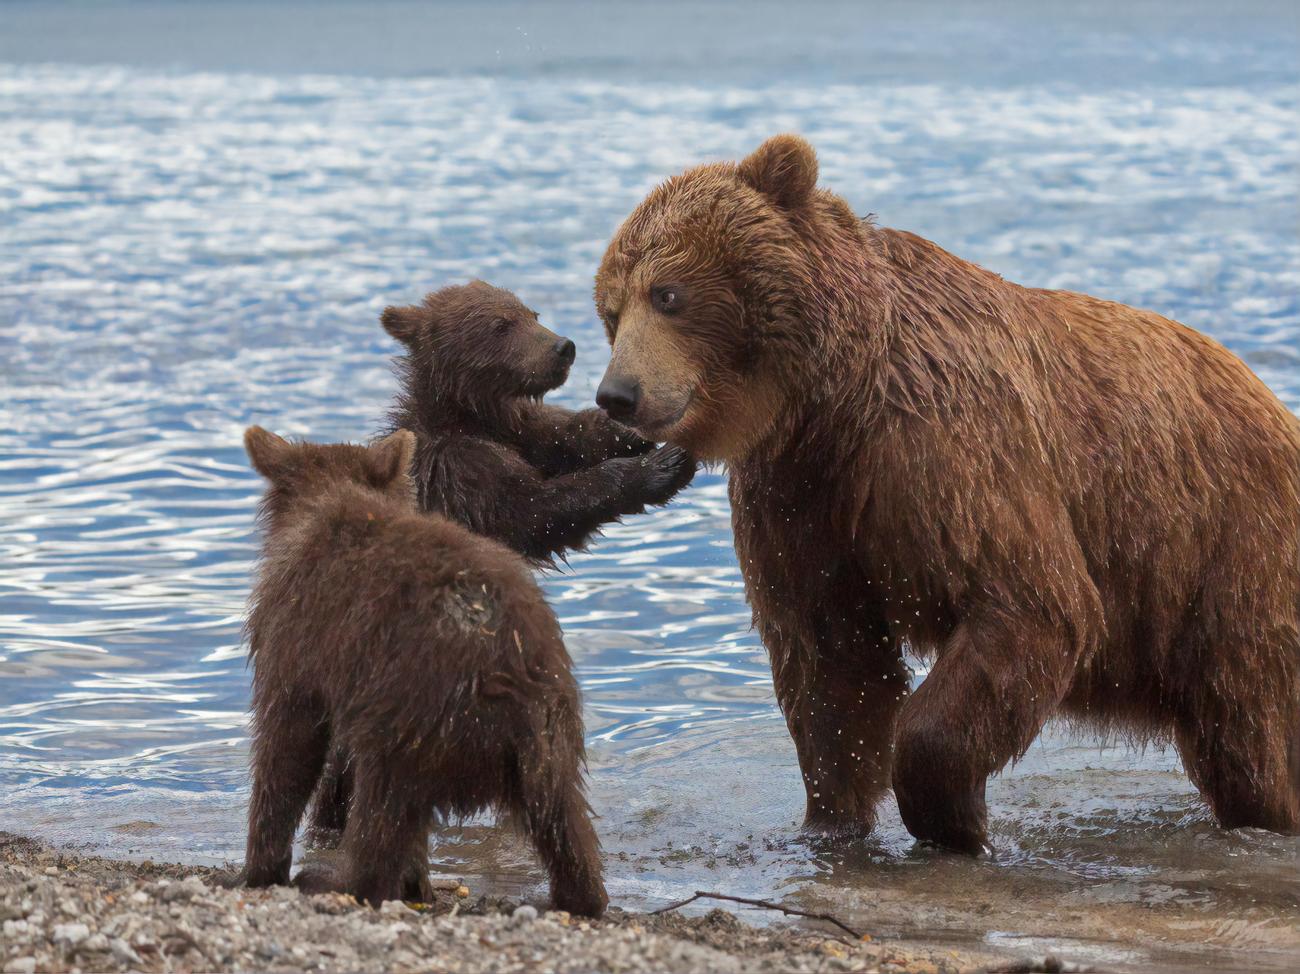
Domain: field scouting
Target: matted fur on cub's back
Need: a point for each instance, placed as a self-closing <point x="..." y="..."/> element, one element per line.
<point x="425" y="657"/>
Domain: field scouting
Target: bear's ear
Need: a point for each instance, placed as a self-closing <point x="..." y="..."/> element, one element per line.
<point x="269" y="453"/>
<point x="390" y="457"/>
<point x="784" y="169"/>
<point x="402" y="323"/>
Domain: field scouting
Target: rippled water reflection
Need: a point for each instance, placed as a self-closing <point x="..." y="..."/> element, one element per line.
<point x="184" y="254"/>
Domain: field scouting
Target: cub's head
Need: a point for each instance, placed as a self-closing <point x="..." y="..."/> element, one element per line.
<point x="704" y="291"/>
<point x="300" y="471"/>
<point x="476" y="341"/>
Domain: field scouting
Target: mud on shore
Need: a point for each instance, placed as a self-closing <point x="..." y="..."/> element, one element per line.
<point x="65" y="912"/>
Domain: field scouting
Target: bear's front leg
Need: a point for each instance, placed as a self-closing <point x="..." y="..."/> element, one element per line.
<point x="993" y="687"/>
<point x="840" y="690"/>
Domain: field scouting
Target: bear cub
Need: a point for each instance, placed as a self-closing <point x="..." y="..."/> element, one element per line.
<point x="489" y="453"/>
<point x="424" y="652"/>
<point x="492" y="456"/>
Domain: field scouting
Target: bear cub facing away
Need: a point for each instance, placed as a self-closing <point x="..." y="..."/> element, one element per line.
<point x="428" y="654"/>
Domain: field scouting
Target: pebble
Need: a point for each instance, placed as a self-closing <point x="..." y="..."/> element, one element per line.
<point x="70" y="933"/>
<point x="20" y="965"/>
<point x="524" y="914"/>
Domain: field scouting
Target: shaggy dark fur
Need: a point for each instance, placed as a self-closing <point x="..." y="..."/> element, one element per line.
<point x="1073" y="506"/>
<point x="492" y="456"/>
<point x="427" y="654"/>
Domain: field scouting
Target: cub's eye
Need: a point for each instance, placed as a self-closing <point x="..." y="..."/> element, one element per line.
<point x="667" y="298"/>
<point x="501" y="326"/>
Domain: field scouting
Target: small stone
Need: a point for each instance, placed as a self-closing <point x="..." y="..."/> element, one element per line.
<point x="20" y="965"/>
<point x="13" y="929"/>
<point x="139" y="898"/>
<point x="184" y="891"/>
<point x="96" y="943"/>
<point x="394" y="908"/>
<point x="51" y="870"/>
<point x="123" y="952"/>
<point x="70" y="933"/>
<point x="523" y="915"/>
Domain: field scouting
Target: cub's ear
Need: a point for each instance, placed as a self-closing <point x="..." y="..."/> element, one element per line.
<point x="402" y="323"/>
<point x="784" y="168"/>
<point x="390" y="457"/>
<point x="269" y="453"/>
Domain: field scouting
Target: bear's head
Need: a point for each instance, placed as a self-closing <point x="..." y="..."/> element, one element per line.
<point x="479" y="343"/>
<point x="706" y="292"/>
<point x="298" y="472"/>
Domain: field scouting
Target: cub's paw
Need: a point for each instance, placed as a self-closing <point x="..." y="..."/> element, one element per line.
<point x="588" y="900"/>
<point x="317" y="877"/>
<point x="667" y="470"/>
<point x="416" y="887"/>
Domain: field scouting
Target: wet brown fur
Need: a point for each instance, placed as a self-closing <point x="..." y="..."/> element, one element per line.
<point x="1072" y="506"/>
<point x="492" y="456"/>
<point x="424" y="652"/>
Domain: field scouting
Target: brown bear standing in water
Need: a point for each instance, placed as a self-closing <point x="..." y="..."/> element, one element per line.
<point x="492" y="456"/>
<point x="426" y="652"/>
<point x="1072" y="506"/>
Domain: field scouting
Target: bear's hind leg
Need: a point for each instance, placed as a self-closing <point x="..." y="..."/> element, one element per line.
<point x="1242" y="756"/>
<point x="288" y="751"/>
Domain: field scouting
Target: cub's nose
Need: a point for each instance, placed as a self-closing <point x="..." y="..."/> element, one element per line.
<point x="618" y="396"/>
<point x="565" y="349"/>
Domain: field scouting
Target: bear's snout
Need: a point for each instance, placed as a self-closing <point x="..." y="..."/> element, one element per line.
<point x="565" y="350"/>
<point x="619" y="396"/>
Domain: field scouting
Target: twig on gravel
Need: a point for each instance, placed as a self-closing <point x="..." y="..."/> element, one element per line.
<point x="762" y="904"/>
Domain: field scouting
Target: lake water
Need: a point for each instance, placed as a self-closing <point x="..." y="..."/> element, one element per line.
<point x="199" y="233"/>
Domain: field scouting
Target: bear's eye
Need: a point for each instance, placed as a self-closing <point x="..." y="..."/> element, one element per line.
<point x="667" y="298"/>
<point x="501" y="326"/>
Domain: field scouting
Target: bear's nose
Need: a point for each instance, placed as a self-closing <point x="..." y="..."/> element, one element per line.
<point x="618" y="396"/>
<point x="565" y="349"/>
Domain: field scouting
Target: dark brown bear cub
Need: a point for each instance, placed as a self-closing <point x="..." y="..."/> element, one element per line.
<point x="490" y="454"/>
<point x="424" y="652"/>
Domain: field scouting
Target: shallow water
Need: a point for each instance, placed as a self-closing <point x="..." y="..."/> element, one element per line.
<point x="191" y="245"/>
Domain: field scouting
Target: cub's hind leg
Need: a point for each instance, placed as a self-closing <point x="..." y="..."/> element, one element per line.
<point x="548" y="796"/>
<point x="289" y="742"/>
<point x="386" y="839"/>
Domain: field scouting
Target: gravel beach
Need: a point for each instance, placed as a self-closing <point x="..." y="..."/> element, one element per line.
<point x="64" y="912"/>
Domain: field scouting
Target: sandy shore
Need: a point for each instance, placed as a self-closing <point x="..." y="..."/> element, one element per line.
<point x="65" y="912"/>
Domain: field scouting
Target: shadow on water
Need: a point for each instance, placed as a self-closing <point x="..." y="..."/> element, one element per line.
<point x="186" y="252"/>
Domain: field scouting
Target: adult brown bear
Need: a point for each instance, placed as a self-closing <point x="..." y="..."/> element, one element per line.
<point x="1073" y="506"/>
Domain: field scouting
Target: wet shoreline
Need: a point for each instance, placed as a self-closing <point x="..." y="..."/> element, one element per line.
<point x="63" y="912"/>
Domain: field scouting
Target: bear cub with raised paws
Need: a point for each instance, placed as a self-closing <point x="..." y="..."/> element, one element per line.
<point x="425" y="653"/>
<point x="489" y="453"/>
